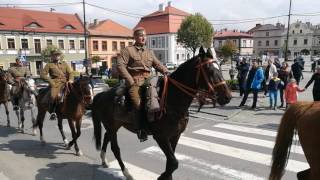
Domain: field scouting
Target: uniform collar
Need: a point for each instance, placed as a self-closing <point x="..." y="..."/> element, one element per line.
<point x="138" y="47"/>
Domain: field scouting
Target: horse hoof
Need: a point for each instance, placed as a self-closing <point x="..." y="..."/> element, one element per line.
<point x="79" y="153"/>
<point x="163" y="177"/>
<point x="66" y="142"/>
<point x="68" y="147"/>
<point x="127" y="174"/>
<point x="34" y="132"/>
<point x="105" y="165"/>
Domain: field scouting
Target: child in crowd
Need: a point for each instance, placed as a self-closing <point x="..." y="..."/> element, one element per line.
<point x="291" y="92"/>
<point x="273" y="88"/>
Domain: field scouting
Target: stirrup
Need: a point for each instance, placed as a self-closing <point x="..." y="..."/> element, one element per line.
<point x="53" y="116"/>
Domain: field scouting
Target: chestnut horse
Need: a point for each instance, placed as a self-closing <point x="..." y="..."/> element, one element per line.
<point x="196" y="74"/>
<point x="77" y="97"/>
<point x="303" y="118"/>
<point x="5" y="94"/>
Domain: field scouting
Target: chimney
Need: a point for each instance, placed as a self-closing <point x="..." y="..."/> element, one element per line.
<point x="161" y="7"/>
<point x="95" y="21"/>
<point x="169" y="3"/>
<point x="258" y="25"/>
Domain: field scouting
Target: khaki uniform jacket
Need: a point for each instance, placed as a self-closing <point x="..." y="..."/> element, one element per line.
<point x="134" y="64"/>
<point x="19" y="71"/>
<point x="58" y="73"/>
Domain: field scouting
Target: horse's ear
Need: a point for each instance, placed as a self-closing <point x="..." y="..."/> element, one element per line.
<point x="209" y="53"/>
<point x="201" y="51"/>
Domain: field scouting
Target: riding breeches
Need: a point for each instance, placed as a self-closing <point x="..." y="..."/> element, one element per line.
<point x="135" y="96"/>
<point x="55" y="90"/>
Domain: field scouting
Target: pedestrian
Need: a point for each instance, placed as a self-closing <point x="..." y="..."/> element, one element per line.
<point x="273" y="90"/>
<point x="243" y="70"/>
<point x="316" y="86"/>
<point x="283" y="74"/>
<point x="277" y="63"/>
<point x="296" y="69"/>
<point x="291" y="92"/>
<point x="254" y="80"/>
<point x="268" y="74"/>
<point x="109" y="73"/>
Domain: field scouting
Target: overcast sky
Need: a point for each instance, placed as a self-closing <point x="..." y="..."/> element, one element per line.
<point x="211" y="9"/>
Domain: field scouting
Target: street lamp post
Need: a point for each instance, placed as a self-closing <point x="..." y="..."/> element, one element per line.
<point x="286" y="48"/>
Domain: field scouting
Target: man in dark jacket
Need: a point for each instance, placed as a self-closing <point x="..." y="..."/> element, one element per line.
<point x="243" y="70"/>
<point x="296" y="70"/>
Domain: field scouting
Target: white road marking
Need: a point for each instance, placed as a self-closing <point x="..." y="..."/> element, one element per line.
<point x="215" y="171"/>
<point x="246" y="140"/>
<point x="3" y="177"/>
<point x="238" y="153"/>
<point x="135" y="171"/>
<point x="246" y="129"/>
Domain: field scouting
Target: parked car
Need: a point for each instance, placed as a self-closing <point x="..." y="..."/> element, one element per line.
<point x="170" y="66"/>
<point x="98" y="85"/>
<point x="40" y="83"/>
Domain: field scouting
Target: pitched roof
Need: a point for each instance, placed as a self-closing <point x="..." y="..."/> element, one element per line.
<point x="227" y="34"/>
<point x="267" y="27"/>
<point x="15" y="19"/>
<point x="109" y="28"/>
<point x="160" y="22"/>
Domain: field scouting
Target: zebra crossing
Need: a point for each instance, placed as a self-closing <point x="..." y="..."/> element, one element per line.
<point x="214" y="153"/>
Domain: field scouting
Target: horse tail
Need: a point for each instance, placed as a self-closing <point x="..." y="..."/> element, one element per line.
<point x="281" y="150"/>
<point x="96" y="123"/>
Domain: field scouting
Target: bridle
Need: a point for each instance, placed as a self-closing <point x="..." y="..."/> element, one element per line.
<point x="79" y="95"/>
<point x="195" y="93"/>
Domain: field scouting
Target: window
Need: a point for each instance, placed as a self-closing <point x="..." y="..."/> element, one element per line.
<point x="267" y="33"/>
<point x="37" y="46"/>
<point x="153" y="43"/>
<point x="95" y="45"/>
<point x="234" y="42"/>
<point x="61" y="44"/>
<point x="69" y="27"/>
<point x="130" y="43"/>
<point x="177" y="56"/>
<point x="82" y="44"/>
<point x="11" y="44"/>
<point x="293" y="32"/>
<point x="259" y="43"/>
<point x="24" y="44"/>
<point x="220" y="43"/>
<point x="122" y="45"/>
<point x="49" y="42"/>
<point x="71" y="45"/>
<point x="295" y="42"/>
<point x="244" y="43"/>
<point x="104" y="46"/>
<point x="267" y="43"/>
<point x="114" y="46"/>
<point x="300" y="31"/>
<point x="305" y="41"/>
<point x="276" y="42"/>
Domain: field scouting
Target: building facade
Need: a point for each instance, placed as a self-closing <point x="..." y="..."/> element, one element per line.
<point x="106" y="39"/>
<point x="267" y="39"/>
<point x="25" y="33"/>
<point x="315" y="50"/>
<point x="300" y="39"/>
<point x="242" y="40"/>
<point x="162" y="27"/>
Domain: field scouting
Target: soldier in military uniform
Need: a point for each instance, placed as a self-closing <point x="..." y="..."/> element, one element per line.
<point x="60" y="73"/>
<point x="134" y="65"/>
<point x="17" y="73"/>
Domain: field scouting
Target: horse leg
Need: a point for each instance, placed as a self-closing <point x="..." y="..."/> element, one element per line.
<point x="304" y="175"/>
<point x="103" y="157"/>
<point x="174" y="141"/>
<point x="78" y="128"/>
<point x="116" y="151"/>
<point x="22" y="119"/>
<point x="60" y="126"/>
<point x="19" y="120"/>
<point x="34" y="131"/>
<point x="40" y="119"/>
<point x="7" y="113"/>
<point x="172" y="162"/>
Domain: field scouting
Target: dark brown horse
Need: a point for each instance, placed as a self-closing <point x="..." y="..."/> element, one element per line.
<point x="5" y="94"/>
<point x="200" y="72"/>
<point x="303" y="118"/>
<point x="77" y="97"/>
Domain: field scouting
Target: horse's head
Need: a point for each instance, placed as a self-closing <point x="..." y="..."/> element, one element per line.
<point x="209" y="77"/>
<point x="83" y="89"/>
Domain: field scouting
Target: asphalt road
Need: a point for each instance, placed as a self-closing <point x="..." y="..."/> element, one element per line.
<point x="223" y="143"/>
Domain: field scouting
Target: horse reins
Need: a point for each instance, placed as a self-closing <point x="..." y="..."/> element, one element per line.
<point x="195" y="93"/>
<point x="79" y="95"/>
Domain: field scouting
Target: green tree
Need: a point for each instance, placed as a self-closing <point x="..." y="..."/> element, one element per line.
<point x="95" y="59"/>
<point x="228" y="49"/>
<point x="46" y="53"/>
<point x="195" y="31"/>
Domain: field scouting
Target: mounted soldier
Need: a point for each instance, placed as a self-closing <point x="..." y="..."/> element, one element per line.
<point x="134" y="66"/>
<point x="17" y="74"/>
<point x="60" y="74"/>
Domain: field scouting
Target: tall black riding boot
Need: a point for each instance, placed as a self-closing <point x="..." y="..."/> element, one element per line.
<point x="141" y="132"/>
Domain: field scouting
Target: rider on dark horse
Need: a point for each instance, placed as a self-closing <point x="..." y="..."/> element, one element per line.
<point x="134" y="65"/>
<point x="60" y="73"/>
<point x="18" y="72"/>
